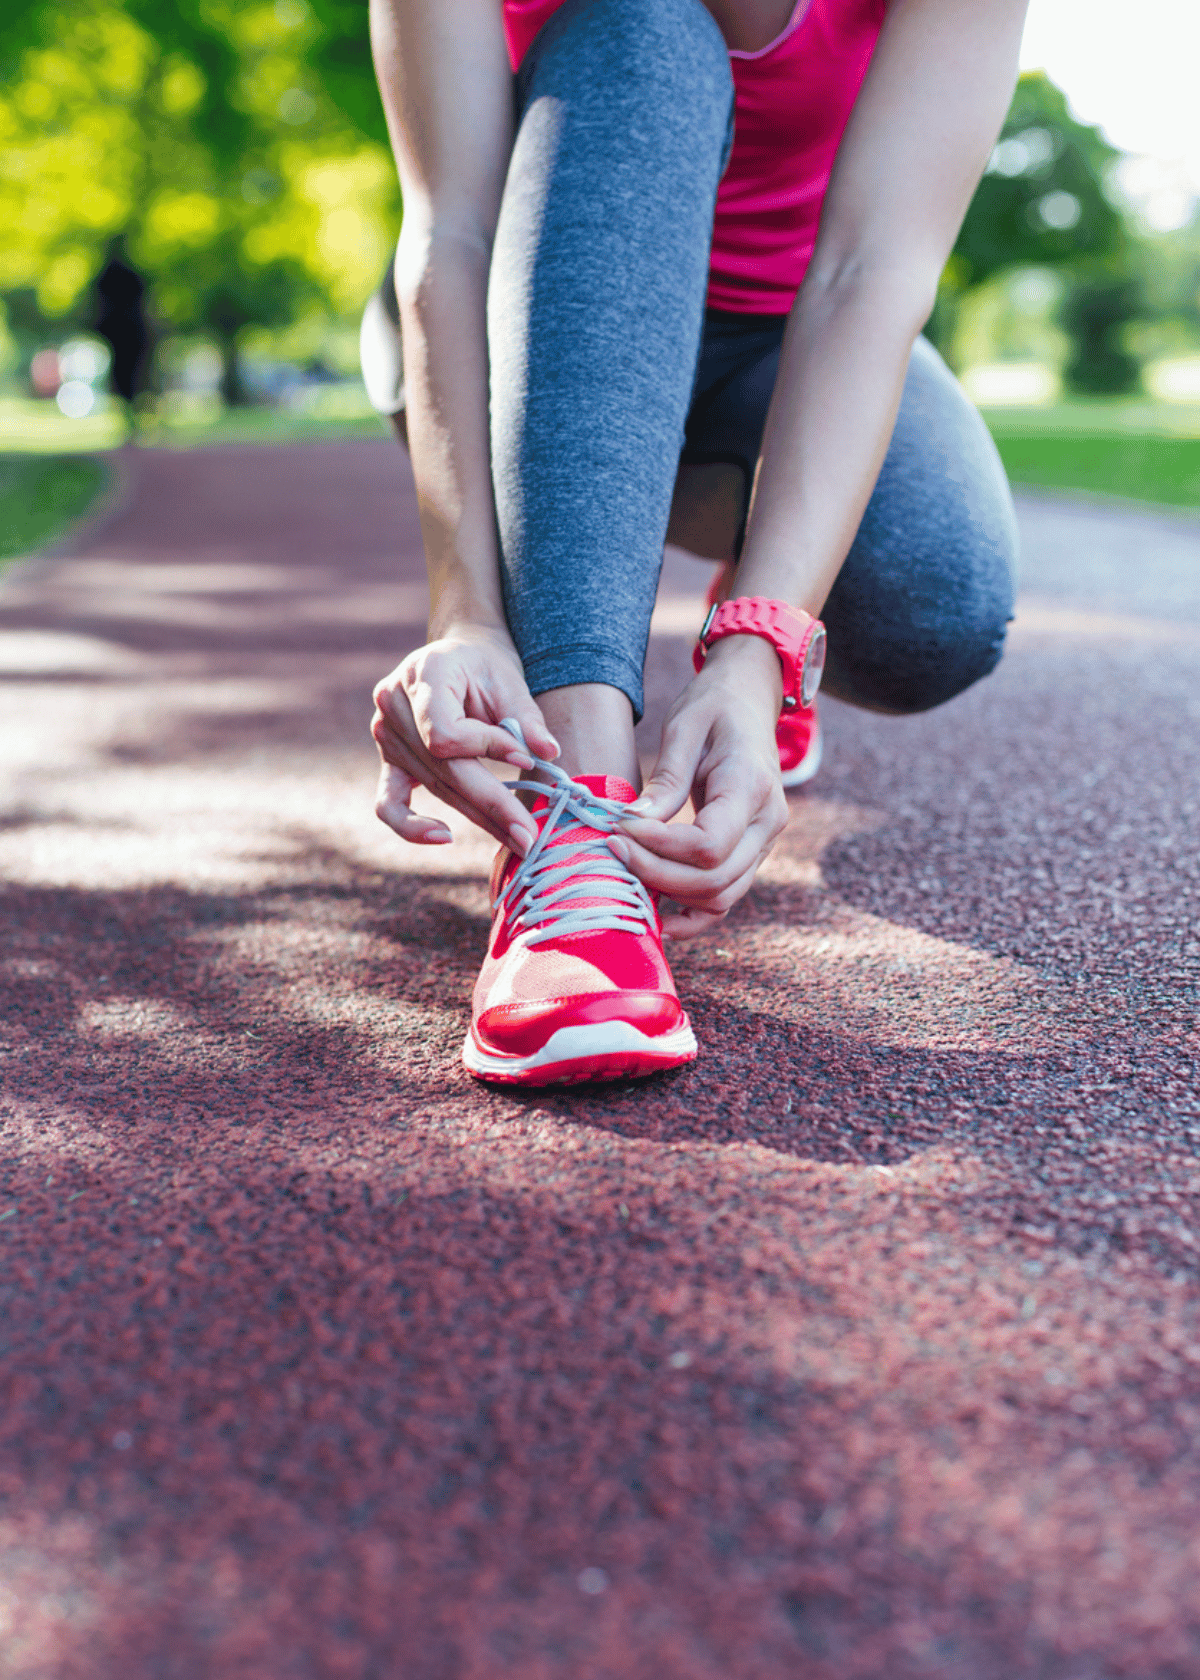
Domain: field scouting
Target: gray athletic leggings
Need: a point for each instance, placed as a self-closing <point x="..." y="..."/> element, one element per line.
<point x="606" y="371"/>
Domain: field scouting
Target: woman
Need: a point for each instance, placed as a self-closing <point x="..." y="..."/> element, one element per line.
<point x="670" y="282"/>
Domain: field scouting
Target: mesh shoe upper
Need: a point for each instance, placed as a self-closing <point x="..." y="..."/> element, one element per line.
<point x="576" y="938"/>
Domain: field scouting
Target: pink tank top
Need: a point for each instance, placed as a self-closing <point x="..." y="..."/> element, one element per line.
<point x="793" y="100"/>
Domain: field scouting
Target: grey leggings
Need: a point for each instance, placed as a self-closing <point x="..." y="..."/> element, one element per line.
<point x="606" y="371"/>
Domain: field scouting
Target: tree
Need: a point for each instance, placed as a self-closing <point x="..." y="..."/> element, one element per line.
<point x="202" y="135"/>
<point x="1095" y="314"/>
<point x="342" y="49"/>
<point x="1045" y="202"/>
<point x="1043" y="199"/>
<point x="223" y="295"/>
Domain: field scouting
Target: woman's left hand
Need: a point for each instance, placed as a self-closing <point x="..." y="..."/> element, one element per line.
<point x="718" y="746"/>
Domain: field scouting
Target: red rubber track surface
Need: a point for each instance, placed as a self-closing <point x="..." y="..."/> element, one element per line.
<point x="868" y="1345"/>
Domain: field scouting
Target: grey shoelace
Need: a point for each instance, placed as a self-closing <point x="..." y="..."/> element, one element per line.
<point x="544" y="892"/>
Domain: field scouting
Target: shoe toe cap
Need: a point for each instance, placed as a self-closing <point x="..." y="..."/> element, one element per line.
<point x="521" y="1029"/>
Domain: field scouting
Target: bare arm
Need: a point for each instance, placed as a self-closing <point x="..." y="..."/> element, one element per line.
<point x="447" y="91"/>
<point x="915" y="147"/>
<point x="916" y="144"/>
<point x="446" y="85"/>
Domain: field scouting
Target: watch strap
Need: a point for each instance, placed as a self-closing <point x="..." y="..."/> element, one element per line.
<point x="795" y="635"/>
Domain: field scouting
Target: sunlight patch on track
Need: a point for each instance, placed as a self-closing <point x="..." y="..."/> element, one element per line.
<point x="895" y="985"/>
<point x="60" y="653"/>
<point x="1039" y="616"/>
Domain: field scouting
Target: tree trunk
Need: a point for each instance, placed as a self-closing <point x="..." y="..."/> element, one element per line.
<point x="233" y="393"/>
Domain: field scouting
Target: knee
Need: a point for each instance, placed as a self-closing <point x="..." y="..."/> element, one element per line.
<point x="946" y="665"/>
<point x="688" y="22"/>
<point x="921" y="608"/>
<point x="667" y="24"/>
<point x="907" y="654"/>
<point x="913" y="672"/>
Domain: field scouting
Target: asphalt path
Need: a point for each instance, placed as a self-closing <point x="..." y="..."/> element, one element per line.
<point x="868" y="1346"/>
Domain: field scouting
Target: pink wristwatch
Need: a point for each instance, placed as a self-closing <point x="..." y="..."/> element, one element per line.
<point x="797" y="637"/>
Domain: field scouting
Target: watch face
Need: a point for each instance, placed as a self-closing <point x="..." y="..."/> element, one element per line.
<point x="814" y="665"/>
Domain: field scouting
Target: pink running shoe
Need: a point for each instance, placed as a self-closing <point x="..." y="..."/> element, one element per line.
<point x="798" y="732"/>
<point x="798" y="737"/>
<point x="575" y="985"/>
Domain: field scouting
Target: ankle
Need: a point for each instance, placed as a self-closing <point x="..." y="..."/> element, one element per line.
<point x="593" y="724"/>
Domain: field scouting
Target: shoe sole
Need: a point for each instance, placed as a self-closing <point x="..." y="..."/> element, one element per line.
<point x="808" y="765"/>
<point x="578" y="1055"/>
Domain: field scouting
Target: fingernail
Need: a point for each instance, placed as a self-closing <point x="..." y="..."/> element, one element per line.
<point x="555" y="749"/>
<point x="521" y="838"/>
<point x="637" y="807"/>
<point x="439" y="836"/>
<point x="519" y="761"/>
<point x="618" y="848"/>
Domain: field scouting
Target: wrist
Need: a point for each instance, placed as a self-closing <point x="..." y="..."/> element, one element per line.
<point x="476" y="632"/>
<point x="462" y="614"/>
<point x="750" y="665"/>
<point x="464" y="589"/>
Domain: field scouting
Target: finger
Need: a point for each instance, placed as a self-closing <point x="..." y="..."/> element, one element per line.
<point x="533" y="726"/>
<point x="693" y="921"/>
<point x="705" y="843"/>
<point x="670" y="782"/>
<point x="393" y="797"/>
<point x="469" y="787"/>
<point x="447" y="732"/>
<point x="464" y="784"/>
<point x="686" y="882"/>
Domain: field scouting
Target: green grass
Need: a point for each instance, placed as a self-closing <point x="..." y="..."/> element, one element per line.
<point x="41" y="496"/>
<point x="1135" y="449"/>
<point x="33" y="427"/>
<point x="1141" y="469"/>
<point x="1141" y="451"/>
<point x="261" y="425"/>
<point x="37" y="428"/>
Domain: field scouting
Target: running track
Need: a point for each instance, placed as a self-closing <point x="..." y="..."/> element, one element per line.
<point x="868" y="1347"/>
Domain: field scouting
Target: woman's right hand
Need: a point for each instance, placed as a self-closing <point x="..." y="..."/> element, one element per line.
<point x="437" y="715"/>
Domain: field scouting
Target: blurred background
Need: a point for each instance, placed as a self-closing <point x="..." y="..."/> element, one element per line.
<point x="197" y="197"/>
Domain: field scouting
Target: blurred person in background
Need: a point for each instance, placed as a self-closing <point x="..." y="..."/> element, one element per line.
<point x="662" y="274"/>
<point x="120" y="315"/>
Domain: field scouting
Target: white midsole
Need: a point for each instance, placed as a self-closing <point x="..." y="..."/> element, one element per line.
<point x="570" y="1044"/>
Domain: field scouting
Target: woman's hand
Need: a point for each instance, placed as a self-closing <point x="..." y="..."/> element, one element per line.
<point x="719" y="746"/>
<point x="437" y="715"/>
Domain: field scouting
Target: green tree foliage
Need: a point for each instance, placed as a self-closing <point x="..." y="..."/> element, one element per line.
<point x="184" y="30"/>
<point x="1170" y="278"/>
<point x="342" y="48"/>
<point x="1095" y="314"/>
<point x="1043" y="199"/>
<point x="203" y="135"/>
<point x="1045" y="202"/>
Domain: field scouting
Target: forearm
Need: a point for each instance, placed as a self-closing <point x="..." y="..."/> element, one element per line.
<point x="446" y="87"/>
<point x="841" y="375"/>
<point x="918" y="139"/>
<point x="441" y="280"/>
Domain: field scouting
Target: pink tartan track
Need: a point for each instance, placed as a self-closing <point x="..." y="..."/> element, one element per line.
<point x="868" y="1346"/>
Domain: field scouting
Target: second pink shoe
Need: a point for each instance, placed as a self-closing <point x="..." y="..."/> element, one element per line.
<point x="798" y="737"/>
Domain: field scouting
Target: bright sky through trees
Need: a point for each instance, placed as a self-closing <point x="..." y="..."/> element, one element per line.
<point x="1132" y="69"/>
